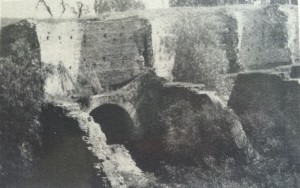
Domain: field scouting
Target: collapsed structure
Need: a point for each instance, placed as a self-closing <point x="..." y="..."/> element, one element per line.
<point x="120" y="63"/>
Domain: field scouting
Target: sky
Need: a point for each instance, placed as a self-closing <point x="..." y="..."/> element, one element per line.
<point x="17" y="9"/>
<point x="27" y="8"/>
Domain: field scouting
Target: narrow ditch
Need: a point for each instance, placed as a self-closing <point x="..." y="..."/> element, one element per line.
<point x="64" y="158"/>
<point x="118" y="127"/>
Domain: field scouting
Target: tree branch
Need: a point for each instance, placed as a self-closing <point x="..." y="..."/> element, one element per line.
<point x="80" y="7"/>
<point x="45" y="5"/>
<point x="63" y="7"/>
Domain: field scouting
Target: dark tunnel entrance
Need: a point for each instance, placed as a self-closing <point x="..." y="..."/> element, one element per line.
<point x="118" y="127"/>
<point x="115" y="122"/>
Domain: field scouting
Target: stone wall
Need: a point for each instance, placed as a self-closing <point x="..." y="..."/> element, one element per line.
<point x="60" y="46"/>
<point x="256" y="47"/>
<point x="271" y="97"/>
<point x="114" y="50"/>
<point x="147" y="96"/>
<point x="260" y="47"/>
<point x="93" y="55"/>
<point x="105" y="55"/>
<point x="200" y="99"/>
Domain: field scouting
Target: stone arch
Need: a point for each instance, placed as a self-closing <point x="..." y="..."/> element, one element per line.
<point x="97" y="101"/>
<point x="116" y="118"/>
<point x="115" y="122"/>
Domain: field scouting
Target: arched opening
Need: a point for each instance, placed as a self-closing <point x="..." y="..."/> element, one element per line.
<point x="115" y="122"/>
<point x="120" y="128"/>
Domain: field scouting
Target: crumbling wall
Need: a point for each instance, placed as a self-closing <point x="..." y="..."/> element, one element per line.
<point x="93" y="55"/>
<point x="257" y="90"/>
<point x="60" y="45"/>
<point x="101" y="55"/>
<point x="113" y="165"/>
<point x="256" y="46"/>
<point x="271" y="97"/>
<point x="259" y="47"/>
<point x="200" y="99"/>
<point x="292" y="30"/>
<point x="148" y="97"/>
<point x="163" y="58"/>
<point x="115" y="51"/>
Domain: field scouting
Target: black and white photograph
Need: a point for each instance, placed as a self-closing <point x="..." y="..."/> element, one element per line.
<point x="149" y="94"/>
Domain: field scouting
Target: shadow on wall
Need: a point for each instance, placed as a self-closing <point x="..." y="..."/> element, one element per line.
<point x="115" y="122"/>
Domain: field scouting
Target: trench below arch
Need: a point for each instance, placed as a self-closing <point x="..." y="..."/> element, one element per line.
<point x="115" y="122"/>
<point x="120" y="123"/>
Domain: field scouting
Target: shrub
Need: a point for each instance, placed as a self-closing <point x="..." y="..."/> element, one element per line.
<point x="266" y="133"/>
<point x="279" y="35"/>
<point x="202" y="137"/>
<point x="84" y="101"/>
<point x="231" y="39"/>
<point x="88" y="83"/>
<point x="102" y="6"/>
<point x="214" y="176"/>
<point x="181" y="3"/>
<point x="194" y="134"/>
<point x="275" y="166"/>
<point x="197" y="44"/>
<point x="21" y="96"/>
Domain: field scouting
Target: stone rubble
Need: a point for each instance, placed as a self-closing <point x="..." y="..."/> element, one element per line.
<point x="114" y="160"/>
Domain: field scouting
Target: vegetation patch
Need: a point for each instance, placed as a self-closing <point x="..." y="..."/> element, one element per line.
<point x="200" y="144"/>
<point x="102" y="6"/>
<point x="199" y="55"/>
<point x="202" y="152"/>
<point x="276" y="165"/>
<point x="22" y="78"/>
<point x="231" y="40"/>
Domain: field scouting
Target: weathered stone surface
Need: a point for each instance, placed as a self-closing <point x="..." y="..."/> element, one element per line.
<point x="270" y="95"/>
<point x="114" y="160"/>
<point x="140" y="92"/>
<point x="93" y="55"/>
<point x="199" y="98"/>
<point x="255" y="91"/>
<point x="13" y="35"/>
<point x="295" y="71"/>
<point x="147" y="96"/>
<point x="256" y="49"/>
